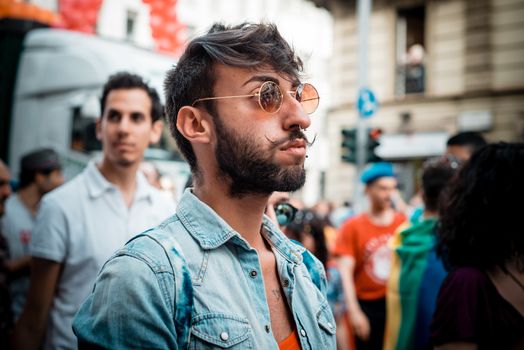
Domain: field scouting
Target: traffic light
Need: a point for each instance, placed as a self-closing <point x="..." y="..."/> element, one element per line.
<point x="349" y="145"/>
<point x="372" y="143"/>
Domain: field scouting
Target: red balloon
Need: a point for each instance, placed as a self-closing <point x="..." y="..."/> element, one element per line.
<point x="91" y="16"/>
<point x="170" y="27"/>
<point x="80" y="15"/>
<point x="165" y="27"/>
<point x="156" y="8"/>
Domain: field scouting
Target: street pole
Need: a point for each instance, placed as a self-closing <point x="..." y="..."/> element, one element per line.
<point x="363" y="15"/>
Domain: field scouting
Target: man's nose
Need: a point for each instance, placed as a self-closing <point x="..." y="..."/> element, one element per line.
<point x="124" y="124"/>
<point x="294" y="114"/>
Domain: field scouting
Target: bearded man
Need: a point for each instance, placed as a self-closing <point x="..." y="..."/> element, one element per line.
<point x="237" y="110"/>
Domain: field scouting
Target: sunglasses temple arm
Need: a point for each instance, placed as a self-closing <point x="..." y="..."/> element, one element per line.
<point x="223" y="97"/>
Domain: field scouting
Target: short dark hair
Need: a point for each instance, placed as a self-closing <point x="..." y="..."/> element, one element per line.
<point x="126" y="80"/>
<point x="245" y="46"/>
<point x="480" y="226"/>
<point x="470" y="139"/>
<point x="436" y="175"/>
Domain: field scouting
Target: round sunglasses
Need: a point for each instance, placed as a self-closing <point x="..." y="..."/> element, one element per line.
<point x="270" y="97"/>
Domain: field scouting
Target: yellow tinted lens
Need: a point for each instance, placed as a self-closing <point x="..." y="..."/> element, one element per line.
<point x="308" y="97"/>
<point x="270" y="97"/>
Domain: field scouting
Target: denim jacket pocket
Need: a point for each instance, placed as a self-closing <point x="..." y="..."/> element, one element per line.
<point x="213" y="330"/>
<point x="326" y="321"/>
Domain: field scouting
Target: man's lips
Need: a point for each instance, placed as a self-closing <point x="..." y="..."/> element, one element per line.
<point x="294" y="144"/>
<point x="296" y="147"/>
<point x="123" y="145"/>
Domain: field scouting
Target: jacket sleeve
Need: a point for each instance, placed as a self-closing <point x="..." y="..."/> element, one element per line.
<point x="131" y="307"/>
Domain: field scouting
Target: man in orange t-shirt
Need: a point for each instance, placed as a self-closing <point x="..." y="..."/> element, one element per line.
<point x="364" y="257"/>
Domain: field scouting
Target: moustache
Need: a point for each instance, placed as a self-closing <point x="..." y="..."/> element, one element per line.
<point x="295" y="135"/>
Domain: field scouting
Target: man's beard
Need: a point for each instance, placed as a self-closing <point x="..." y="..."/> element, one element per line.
<point x="247" y="167"/>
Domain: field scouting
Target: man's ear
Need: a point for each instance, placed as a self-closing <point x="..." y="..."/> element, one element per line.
<point x="194" y="124"/>
<point x="156" y="132"/>
<point x="99" y="129"/>
<point x="40" y="178"/>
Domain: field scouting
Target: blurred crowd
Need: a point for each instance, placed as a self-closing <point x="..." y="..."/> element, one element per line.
<point x="448" y="270"/>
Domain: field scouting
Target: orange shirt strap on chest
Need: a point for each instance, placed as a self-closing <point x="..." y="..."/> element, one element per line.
<point x="291" y="342"/>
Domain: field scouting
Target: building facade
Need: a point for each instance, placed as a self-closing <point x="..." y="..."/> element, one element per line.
<point x="437" y="67"/>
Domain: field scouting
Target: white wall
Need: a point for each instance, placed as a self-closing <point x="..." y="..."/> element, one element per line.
<point x="112" y="21"/>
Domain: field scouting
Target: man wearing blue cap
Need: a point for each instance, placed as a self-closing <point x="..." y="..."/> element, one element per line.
<point x="364" y="256"/>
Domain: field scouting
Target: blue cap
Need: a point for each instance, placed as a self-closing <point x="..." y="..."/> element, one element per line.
<point x="377" y="170"/>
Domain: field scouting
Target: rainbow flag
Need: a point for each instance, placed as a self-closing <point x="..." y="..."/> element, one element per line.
<point x="415" y="279"/>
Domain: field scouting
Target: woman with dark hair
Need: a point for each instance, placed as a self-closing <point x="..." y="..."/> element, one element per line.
<point x="309" y="229"/>
<point x="481" y="239"/>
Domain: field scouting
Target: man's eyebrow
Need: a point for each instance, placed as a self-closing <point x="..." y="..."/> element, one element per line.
<point x="261" y="78"/>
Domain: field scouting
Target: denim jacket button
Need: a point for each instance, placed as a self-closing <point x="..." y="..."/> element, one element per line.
<point x="303" y="332"/>
<point x="253" y="273"/>
<point x="267" y="328"/>
<point x="224" y="336"/>
<point x="286" y="283"/>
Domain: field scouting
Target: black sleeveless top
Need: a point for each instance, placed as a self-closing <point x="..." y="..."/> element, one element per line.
<point x="470" y="309"/>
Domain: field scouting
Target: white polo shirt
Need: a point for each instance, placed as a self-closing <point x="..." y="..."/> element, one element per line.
<point x="81" y="224"/>
<point x="17" y="226"/>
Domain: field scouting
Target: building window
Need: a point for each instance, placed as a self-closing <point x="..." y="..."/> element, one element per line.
<point x="130" y="24"/>
<point x="411" y="51"/>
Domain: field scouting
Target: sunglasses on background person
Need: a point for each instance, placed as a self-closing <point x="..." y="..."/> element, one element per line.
<point x="270" y="97"/>
<point x="446" y="159"/>
<point x="303" y="217"/>
<point x="285" y="213"/>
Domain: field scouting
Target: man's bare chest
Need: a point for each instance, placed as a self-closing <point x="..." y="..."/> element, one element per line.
<point x="281" y="318"/>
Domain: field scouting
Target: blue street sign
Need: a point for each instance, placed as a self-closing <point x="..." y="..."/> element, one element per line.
<point x="367" y="103"/>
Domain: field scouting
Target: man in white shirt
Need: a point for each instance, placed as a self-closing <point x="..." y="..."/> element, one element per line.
<point x="82" y="223"/>
<point x="5" y="301"/>
<point x="40" y="173"/>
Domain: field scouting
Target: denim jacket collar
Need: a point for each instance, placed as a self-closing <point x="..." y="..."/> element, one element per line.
<point x="211" y="231"/>
<point x="292" y="252"/>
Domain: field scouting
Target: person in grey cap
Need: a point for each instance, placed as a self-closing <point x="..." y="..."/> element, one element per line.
<point x="364" y="257"/>
<point x="40" y="173"/>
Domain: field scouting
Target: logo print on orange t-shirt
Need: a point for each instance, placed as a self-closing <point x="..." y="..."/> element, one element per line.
<point x="377" y="260"/>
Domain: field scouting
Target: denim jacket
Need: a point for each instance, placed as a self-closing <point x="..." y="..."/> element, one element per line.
<point x="134" y="303"/>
